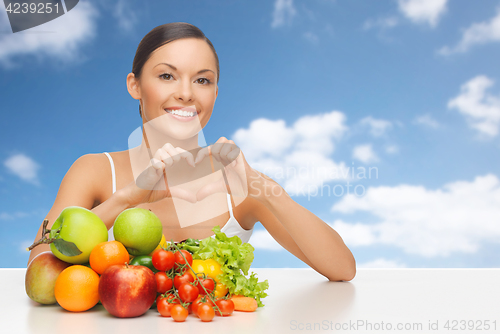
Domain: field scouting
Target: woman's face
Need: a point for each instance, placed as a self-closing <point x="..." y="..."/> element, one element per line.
<point x="179" y="74"/>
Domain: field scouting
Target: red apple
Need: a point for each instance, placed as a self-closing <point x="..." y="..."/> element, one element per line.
<point x="41" y="277"/>
<point x="127" y="291"/>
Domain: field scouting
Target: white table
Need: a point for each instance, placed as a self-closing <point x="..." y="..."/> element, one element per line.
<point x="300" y="300"/>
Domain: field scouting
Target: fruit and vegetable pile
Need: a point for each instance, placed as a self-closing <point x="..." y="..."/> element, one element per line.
<point x="139" y="269"/>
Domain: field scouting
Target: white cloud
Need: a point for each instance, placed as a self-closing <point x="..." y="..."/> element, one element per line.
<point x="476" y="34"/>
<point x="61" y="38"/>
<point x="265" y="137"/>
<point x="126" y="17"/>
<point x="426" y="120"/>
<point x="23" y="245"/>
<point x="311" y="37"/>
<point x="14" y="215"/>
<point x="24" y="167"/>
<point x="481" y="109"/>
<point x="364" y="153"/>
<point x="261" y="239"/>
<point x="458" y="217"/>
<point x="284" y="11"/>
<point x="378" y="127"/>
<point x="297" y="156"/>
<point x="392" y="149"/>
<point x="381" y="263"/>
<point x="382" y="23"/>
<point x="423" y="11"/>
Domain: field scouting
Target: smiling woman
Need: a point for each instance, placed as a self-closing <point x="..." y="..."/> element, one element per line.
<point x="175" y="78"/>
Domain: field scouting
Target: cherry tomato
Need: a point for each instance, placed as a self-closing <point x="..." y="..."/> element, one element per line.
<point x="198" y="301"/>
<point x="184" y="278"/>
<point x="208" y="283"/>
<point x="163" y="306"/>
<point x="206" y="312"/>
<point x="226" y="306"/>
<point x="188" y="292"/>
<point x="195" y="304"/>
<point x="163" y="282"/>
<point x="178" y="312"/>
<point x="180" y="260"/>
<point x="163" y="260"/>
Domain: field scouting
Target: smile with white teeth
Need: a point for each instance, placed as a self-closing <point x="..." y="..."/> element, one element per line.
<point x="183" y="113"/>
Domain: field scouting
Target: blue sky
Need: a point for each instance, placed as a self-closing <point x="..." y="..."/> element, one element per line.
<point x="408" y="89"/>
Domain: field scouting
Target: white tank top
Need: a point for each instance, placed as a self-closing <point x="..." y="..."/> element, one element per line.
<point x="231" y="228"/>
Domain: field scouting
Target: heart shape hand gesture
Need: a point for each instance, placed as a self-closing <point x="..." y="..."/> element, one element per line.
<point x="167" y="173"/>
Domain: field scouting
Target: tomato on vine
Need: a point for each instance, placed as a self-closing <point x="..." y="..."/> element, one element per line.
<point x="179" y="258"/>
<point x="163" y="282"/>
<point x="184" y="278"/>
<point x="163" y="260"/>
<point x="188" y="292"/>
<point x="178" y="312"/>
<point x="163" y="306"/>
<point x="208" y="283"/>
<point x="226" y="307"/>
<point x="205" y="312"/>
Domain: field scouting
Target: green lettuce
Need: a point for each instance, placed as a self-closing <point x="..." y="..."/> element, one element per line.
<point x="235" y="259"/>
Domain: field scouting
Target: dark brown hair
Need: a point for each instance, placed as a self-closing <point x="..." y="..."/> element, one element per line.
<point x="162" y="35"/>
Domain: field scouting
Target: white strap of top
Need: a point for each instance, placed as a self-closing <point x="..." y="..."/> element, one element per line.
<point x="229" y="205"/>
<point x="112" y="171"/>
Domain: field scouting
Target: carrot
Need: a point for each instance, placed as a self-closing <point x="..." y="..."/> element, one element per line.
<point x="245" y="304"/>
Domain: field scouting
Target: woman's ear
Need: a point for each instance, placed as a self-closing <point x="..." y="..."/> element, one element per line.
<point x="133" y="86"/>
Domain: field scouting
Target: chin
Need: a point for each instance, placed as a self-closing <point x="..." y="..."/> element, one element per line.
<point x="170" y="128"/>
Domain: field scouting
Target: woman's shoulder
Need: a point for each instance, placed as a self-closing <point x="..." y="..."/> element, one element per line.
<point x="95" y="170"/>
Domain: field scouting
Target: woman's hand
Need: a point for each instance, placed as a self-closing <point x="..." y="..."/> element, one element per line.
<point x="237" y="177"/>
<point x="151" y="185"/>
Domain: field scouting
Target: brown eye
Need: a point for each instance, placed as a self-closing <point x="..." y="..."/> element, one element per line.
<point x="206" y="82"/>
<point x="166" y="76"/>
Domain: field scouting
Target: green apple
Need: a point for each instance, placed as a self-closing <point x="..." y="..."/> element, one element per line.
<point x="79" y="226"/>
<point x="139" y="230"/>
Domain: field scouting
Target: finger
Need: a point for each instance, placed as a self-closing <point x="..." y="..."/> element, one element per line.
<point x="172" y="151"/>
<point x="229" y="153"/>
<point x="157" y="164"/>
<point x="225" y="149"/>
<point x="215" y="150"/>
<point x="149" y="178"/>
<point x="162" y="155"/>
<point x="186" y="155"/>
<point x="235" y="152"/>
<point x="202" y="154"/>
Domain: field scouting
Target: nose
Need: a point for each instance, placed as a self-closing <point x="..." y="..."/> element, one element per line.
<point x="184" y="92"/>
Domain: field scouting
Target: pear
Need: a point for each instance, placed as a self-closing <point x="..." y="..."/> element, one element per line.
<point x="41" y="277"/>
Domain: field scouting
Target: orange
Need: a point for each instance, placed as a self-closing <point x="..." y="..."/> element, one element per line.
<point x="106" y="254"/>
<point x="76" y="288"/>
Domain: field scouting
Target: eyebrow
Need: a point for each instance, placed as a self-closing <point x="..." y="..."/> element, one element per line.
<point x="175" y="69"/>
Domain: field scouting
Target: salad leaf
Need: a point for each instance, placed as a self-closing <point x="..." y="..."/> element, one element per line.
<point x="235" y="259"/>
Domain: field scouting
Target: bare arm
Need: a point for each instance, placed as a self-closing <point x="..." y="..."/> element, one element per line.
<point x="302" y="233"/>
<point x="80" y="187"/>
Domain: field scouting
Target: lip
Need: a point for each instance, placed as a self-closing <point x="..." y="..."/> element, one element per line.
<point x="182" y="118"/>
<point x="183" y="108"/>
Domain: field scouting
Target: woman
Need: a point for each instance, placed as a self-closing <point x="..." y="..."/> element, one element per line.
<point x="174" y="77"/>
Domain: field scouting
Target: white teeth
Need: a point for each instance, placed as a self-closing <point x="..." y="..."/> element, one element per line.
<point x="181" y="113"/>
